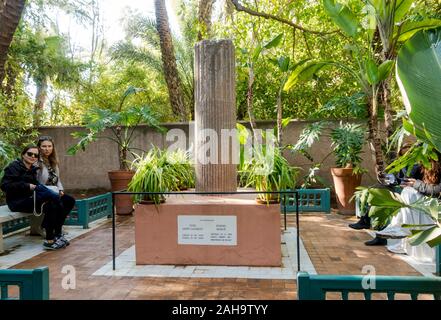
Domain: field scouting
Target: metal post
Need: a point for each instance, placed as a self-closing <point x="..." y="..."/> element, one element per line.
<point x="113" y="230"/>
<point x="298" y="230"/>
<point x="284" y="208"/>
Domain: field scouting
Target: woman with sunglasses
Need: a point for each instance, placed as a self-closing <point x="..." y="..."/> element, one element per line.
<point x="19" y="182"/>
<point x="49" y="175"/>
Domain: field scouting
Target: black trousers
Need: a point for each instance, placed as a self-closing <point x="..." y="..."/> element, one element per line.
<point x="55" y="212"/>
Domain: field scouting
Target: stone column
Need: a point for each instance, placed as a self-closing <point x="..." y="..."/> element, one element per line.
<point x="215" y="110"/>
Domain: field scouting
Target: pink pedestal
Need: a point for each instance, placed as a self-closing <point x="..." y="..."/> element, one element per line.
<point x="257" y="238"/>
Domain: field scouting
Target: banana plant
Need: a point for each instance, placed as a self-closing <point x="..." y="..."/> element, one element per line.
<point x="418" y="74"/>
<point x="385" y="203"/>
<point x="368" y="70"/>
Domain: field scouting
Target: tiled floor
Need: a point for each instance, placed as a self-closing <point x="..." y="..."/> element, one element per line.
<point x="21" y="247"/>
<point x="332" y="247"/>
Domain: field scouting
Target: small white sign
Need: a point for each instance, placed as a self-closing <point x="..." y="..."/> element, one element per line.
<point x="207" y="230"/>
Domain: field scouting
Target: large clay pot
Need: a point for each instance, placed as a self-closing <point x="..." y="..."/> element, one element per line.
<point x="119" y="179"/>
<point x="345" y="182"/>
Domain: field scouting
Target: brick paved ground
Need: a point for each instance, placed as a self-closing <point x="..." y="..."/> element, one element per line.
<point x="333" y="247"/>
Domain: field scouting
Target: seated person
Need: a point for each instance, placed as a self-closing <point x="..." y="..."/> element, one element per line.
<point x="19" y="182"/>
<point x="414" y="189"/>
<point x="391" y="182"/>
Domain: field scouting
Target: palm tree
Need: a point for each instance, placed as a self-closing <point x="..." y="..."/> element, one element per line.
<point x="10" y="15"/>
<point x="148" y="52"/>
<point x="169" y="62"/>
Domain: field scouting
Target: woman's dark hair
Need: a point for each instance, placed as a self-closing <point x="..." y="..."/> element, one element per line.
<point x="433" y="175"/>
<point x="26" y="149"/>
<point x="52" y="159"/>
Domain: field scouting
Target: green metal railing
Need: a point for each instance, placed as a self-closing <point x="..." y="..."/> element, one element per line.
<point x="32" y="284"/>
<point x="315" y="287"/>
<point x="311" y="200"/>
<point x="90" y="209"/>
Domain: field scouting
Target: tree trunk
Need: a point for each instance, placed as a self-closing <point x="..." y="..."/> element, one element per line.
<point x="374" y="137"/>
<point x="10" y="14"/>
<point x="250" y="97"/>
<point x="169" y="62"/>
<point x="279" y="117"/>
<point x="204" y="17"/>
<point x="385" y="92"/>
<point x="40" y="101"/>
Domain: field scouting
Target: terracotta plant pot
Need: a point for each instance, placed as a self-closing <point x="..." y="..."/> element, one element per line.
<point x="345" y="182"/>
<point x="119" y="179"/>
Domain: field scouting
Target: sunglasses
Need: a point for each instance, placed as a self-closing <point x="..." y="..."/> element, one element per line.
<point x="32" y="155"/>
<point x="45" y="138"/>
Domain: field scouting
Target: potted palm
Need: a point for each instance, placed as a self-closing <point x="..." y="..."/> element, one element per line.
<point x="347" y="140"/>
<point x="269" y="175"/>
<point x="117" y="124"/>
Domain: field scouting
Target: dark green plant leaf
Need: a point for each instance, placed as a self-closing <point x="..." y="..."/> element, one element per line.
<point x="385" y="69"/>
<point x="401" y="9"/>
<point x="410" y="28"/>
<point x="372" y="72"/>
<point x="425" y="236"/>
<point x="419" y="79"/>
<point x="283" y="63"/>
<point x="304" y="72"/>
<point x="342" y="17"/>
<point x="274" y="42"/>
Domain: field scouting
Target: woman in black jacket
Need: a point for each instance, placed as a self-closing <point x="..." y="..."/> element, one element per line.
<point x="19" y="182"/>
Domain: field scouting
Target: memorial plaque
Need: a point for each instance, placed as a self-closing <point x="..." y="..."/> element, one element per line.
<point x="207" y="230"/>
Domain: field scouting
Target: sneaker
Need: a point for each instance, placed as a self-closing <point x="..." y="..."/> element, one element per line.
<point x="63" y="239"/>
<point x="393" y="233"/>
<point x="54" y="245"/>
<point x="396" y="250"/>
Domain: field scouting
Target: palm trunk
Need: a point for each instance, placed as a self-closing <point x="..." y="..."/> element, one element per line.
<point x="388" y="112"/>
<point x="279" y="117"/>
<point x="169" y="62"/>
<point x="40" y="101"/>
<point x="205" y="10"/>
<point x="10" y="15"/>
<point x="374" y="137"/>
<point x="250" y="97"/>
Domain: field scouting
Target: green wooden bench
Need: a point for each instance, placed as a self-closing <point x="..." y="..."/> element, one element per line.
<point x="315" y="287"/>
<point x="33" y="284"/>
